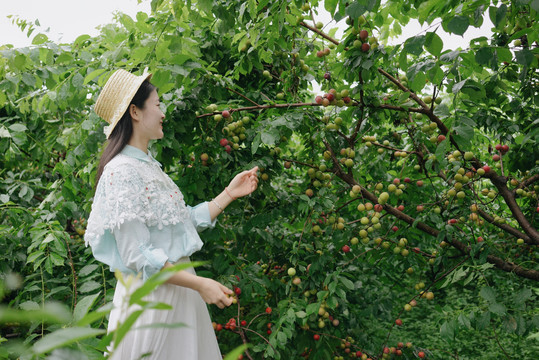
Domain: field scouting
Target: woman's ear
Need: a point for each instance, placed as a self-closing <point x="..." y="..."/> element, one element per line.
<point x="135" y="112"/>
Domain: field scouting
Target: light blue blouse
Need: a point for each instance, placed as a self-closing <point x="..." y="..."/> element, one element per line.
<point x="139" y="219"/>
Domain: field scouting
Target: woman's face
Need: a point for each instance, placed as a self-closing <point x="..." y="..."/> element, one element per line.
<point x="150" y="124"/>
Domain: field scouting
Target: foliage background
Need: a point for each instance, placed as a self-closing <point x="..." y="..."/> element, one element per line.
<point x="261" y="55"/>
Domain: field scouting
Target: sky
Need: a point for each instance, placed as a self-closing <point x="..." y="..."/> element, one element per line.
<point x="65" y="20"/>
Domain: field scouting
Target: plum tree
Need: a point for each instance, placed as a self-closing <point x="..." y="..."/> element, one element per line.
<point x="399" y="144"/>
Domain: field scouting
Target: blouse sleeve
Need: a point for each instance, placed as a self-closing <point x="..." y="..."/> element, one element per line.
<point x="200" y="216"/>
<point x="136" y="251"/>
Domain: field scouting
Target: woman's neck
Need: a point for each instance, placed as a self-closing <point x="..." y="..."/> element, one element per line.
<point x="139" y="143"/>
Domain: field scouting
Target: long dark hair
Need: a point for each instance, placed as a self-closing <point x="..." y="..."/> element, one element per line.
<point x="124" y="129"/>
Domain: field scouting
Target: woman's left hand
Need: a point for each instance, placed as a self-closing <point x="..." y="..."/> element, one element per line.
<point x="244" y="183"/>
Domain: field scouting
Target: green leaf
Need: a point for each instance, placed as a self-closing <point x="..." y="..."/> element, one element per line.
<point x="3" y="99"/>
<point x="157" y="279"/>
<point x="414" y="45"/>
<point x="88" y="286"/>
<point x="498" y="309"/>
<point x="312" y="308"/>
<point x="53" y="312"/>
<point x="269" y="137"/>
<point x="18" y="128"/>
<point x="419" y="82"/>
<point x="4" y="133"/>
<point x="458" y="25"/>
<point x="88" y="269"/>
<point x="433" y="43"/>
<point x="484" y="55"/>
<point x="464" y="321"/>
<point x="93" y="75"/>
<point x="39" y="39"/>
<point x="442" y="149"/>
<point x="522" y="296"/>
<point x="331" y="6"/>
<point x="435" y="75"/>
<point x="347" y="283"/>
<point x="33" y="256"/>
<point x="524" y="57"/>
<point x="160" y="78"/>
<point x="448" y="329"/>
<point x="483" y="321"/>
<point x="355" y="9"/>
<point x="503" y="54"/>
<point x="81" y="39"/>
<point x="20" y="61"/>
<point x="28" y="79"/>
<point x="458" y="86"/>
<point x="162" y="325"/>
<point x="234" y="354"/>
<point x="56" y="259"/>
<point x="83" y="306"/>
<point x="463" y="135"/>
<point x="49" y="238"/>
<point x="488" y="294"/>
<point x="497" y="15"/>
<point x="29" y="305"/>
<point x="77" y="81"/>
<point x="125" y="326"/>
<point x="98" y="314"/>
<point x="256" y="143"/>
<point x="64" y="337"/>
<point x="450" y="56"/>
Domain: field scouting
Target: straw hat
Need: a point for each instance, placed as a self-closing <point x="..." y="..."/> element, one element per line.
<point x="116" y="95"/>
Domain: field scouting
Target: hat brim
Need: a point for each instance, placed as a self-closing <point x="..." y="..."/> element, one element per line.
<point x="116" y="96"/>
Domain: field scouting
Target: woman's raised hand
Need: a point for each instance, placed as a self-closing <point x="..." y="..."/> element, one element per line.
<point x="213" y="292"/>
<point x="244" y="183"/>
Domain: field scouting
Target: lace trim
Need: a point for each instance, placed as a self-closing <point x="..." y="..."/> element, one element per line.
<point x="130" y="189"/>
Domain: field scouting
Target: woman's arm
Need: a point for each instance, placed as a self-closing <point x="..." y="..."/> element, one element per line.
<point x="213" y="292"/>
<point x="243" y="184"/>
<point x="210" y="290"/>
<point x="219" y="203"/>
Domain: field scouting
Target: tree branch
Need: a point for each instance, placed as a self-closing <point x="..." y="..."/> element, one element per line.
<point x="496" y="261"/>
<point x="243" y="96"/>
<point x="312" y="28"/>
<point x="528" y="181"/>
<point x="500" y="182"/>
<point x="262" y="107"/>
<point x="511" y="230"/>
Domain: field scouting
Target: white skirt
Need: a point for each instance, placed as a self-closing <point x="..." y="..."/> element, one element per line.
<point x="194" y="341"/>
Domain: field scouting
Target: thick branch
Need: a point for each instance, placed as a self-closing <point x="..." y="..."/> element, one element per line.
<point x="426" y="109"/>
<point x="499" y="263"/>
<point x="498" y="181"/>
<point x="501" y="184"/>
<point x="507" y="228"/>
<point x="528" y="181"/>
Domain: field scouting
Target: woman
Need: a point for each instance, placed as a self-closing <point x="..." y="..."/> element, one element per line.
<point x="140" y="224"/>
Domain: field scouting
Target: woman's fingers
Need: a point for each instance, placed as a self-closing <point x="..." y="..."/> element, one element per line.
<point x="225" y="289"/>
